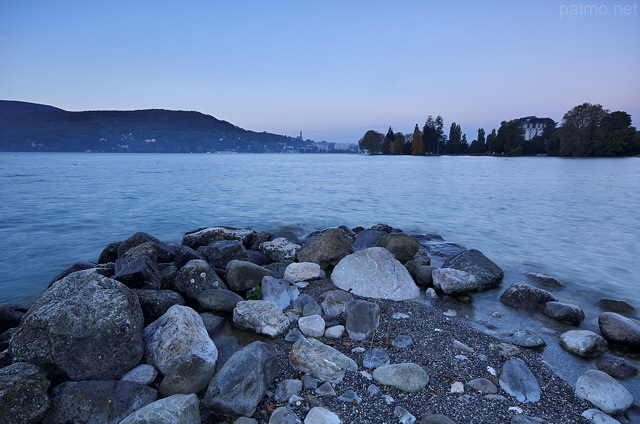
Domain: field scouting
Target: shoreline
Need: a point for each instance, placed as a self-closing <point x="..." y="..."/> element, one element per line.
<point x="433" y="329"/>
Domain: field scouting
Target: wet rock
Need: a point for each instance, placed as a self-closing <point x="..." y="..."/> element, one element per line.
<point x="195" y="277"/>
<point x="242" y="381"/>
<point x="407" y="377"/>
<point x="527" y="338"/>
<point x="584" y="343"/>
<point x="86" y="325"/>
<point x="280" y="249"/>
<point x="176" y="409"/>
<point x="320" y="415"/>
<point x="77" y="266"/>
<point x="616" y="367"/>
<point x="10" y="316"/>
<point x="144" y="374"/>
<point x="362" y="318"/>
<point x="23" y="393"/>
<point x="185" y="254"/>
<point x="109" y="253"/>
<point x="260" y="316"/>
<point x="167" y="272"/>
<point x="358" y="272"/>
<point x="279" y="292"/>
<point x="484" y="386"/>
<point x="517" y="380"/>
<point x="334" y="302"/>
<point x="206" y="236"/>
<point x="303" y="271"/>
<point x="286" y="389"/>
<point x="544" y="279"/>
<point x="565" y="312"/>
<point x="218" y="300"/>
<point x="424" y="275"/>
<point x="367" y="238"/>
<point x="618" y="329"/>
<point x="320" y="361"/>
<point x="402" y="246"/>
<point x="312" y="326"/>
<point x="284" y="415"/>
<point x="487" y="273"/>
<point x="521" y="295"/>
<point x="453" y="281"/>
<point x="213" y="323"/>
<point x="375" y="358"/>
<point x="257" y="257"/>
<point x="436" y="419"/>
<point x="138" y="273"/>
<point x="328" y="249"/>
<point x="153" y="247"/>
<point x="97" y="402"/>
<point x="220" y="253"/>
<point x="616" y="305"/>
<point x="154" y="303"/>
<point x="243" y="275"/>
<point x="175" y="337"/>
<point x="604" y="392"/>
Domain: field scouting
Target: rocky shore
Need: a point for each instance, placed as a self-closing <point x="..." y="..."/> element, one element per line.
<point x="344" y="326"/>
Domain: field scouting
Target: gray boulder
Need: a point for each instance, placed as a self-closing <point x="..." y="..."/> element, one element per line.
<point x="137" y="273"/>
<point x="312" y="326"/>
<point x="176" y="409"/>
<point x="260" y="316"/>
<point x="179" y="333"/>
<point x="85" y="325"/>
<point x="374" y="273"/>
<point x="218" y="300"/>
<point x="97" y="402"/>
<point x="362" y="318"/>
<point x="367" y="238"/>
<point x="487" y="273"/>
<point x="10" y="316"/>
<point x="407" y="377"/>
<point x="565" y="312"/>
<point x="185" y="254"/>
<point x="280" y="249"/>
<point x="189" y="373"/>
<point x="616" y="367"/>
<point x="77" y="266"/>
<point x="243" y="275"/>
<point x="195" y="277"/>
<point x="424" y="275"/>
<point x="521" y="295"/>
<point x="401" y="245"/>
<point x="454" y="281"/>
<point x="242" y="381"/>
<point x="604" y="392"/>
<point x="320" y="361"/>
<point x="23" y="394"/>
<point x="206" y="236"/>
<point x="583" y="342"/>
<point x="220" y="253"/>
<point x="109" y="253"/>
<point x="620" y="330"/>
<point x="286" y="389"/>
<point x="160" y="250"/>
<point x="154" y="303"/>
<point x="517" y="380"/>
<point x="144" y="374"/>
<point x="284" y="415"/>
<point x="289" y="235"/>
<point x="321" y="415"/>
<point x="279" y="292"/>
<point x="328" y="249"/>
<point x="482" y="385"/>
<point x="303" y="271"/>
<point x="334" y="302"/>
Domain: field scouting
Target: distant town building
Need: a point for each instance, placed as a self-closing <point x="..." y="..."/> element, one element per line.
<point x="534" y="126"/>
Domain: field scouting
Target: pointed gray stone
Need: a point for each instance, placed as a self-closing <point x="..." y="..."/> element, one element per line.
<point x="284" y="415"/>
<point x="362" y="318"/>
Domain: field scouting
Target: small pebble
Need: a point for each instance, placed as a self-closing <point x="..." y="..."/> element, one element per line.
<point x="516" y="409"/>
<point x="366" y="375"/>
<point x="450" y="313"/>
<point x="461" y="358"/>
<point x="492" y="371"/>
<point x="350" y="396"/>
<point x="457" y="387"/>
<point x="457" y="344"/>
<point x="373" y="390"/>
<point x="326" y="389"/>
<point x="404" y="416"/>
<point x="399" y="315"/>
<point x="302" y="284"/>
<point x="358" y="350"/>
<point x="388" y="399"/>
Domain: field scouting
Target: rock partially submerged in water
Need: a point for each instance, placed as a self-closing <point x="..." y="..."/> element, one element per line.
<point x="618" y="329"/>
<point x="521" y="295"/>
<point x="487" y="273"/>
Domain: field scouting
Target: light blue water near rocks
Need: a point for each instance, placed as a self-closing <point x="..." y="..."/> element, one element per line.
<point x="576" y="219"/>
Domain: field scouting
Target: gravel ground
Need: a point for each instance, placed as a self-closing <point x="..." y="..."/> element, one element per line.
<point x="433" y="335"/>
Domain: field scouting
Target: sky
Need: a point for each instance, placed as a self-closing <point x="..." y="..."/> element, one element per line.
<point x="331" y="69"/>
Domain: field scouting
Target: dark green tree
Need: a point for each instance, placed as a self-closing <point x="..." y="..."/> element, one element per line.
<point x="478" y="146"/>
<point x="417" y="145"/>
<point x="371" y="142"/>
<point x="397" y="148"/>
<point x="491" y="142"/>
<point x="387" y="142"/>
<point x="510" y="138"/>
<point x="618" y="135"/>
<point x="581" y="133"/>
<point x="429" y="135"/>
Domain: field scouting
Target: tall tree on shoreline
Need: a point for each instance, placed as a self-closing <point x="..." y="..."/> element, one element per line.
<point x="417" y="145"/>
<point x="429" y="136"/>
<point x="387" y="142"/>
<point x="440" y="138"/>
<point x="371" y="142"/>
<point x="397" y="148"/>
<point x="478" y="146"/>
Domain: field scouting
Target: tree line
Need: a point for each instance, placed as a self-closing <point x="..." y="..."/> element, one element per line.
<point x="587" y="130"/>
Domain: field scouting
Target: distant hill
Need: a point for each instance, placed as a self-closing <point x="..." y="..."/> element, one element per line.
<point x="33" y="127"/>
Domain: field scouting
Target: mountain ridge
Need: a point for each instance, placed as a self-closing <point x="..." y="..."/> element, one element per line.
<point x="33" y="127"/>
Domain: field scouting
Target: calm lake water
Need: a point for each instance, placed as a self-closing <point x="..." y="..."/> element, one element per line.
<point x="576" y="219"/>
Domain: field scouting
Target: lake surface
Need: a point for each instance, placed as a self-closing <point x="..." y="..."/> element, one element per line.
<point x="576" y="219"/>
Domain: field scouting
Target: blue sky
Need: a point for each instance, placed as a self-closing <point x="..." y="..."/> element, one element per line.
<point x="332" y="69"/>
